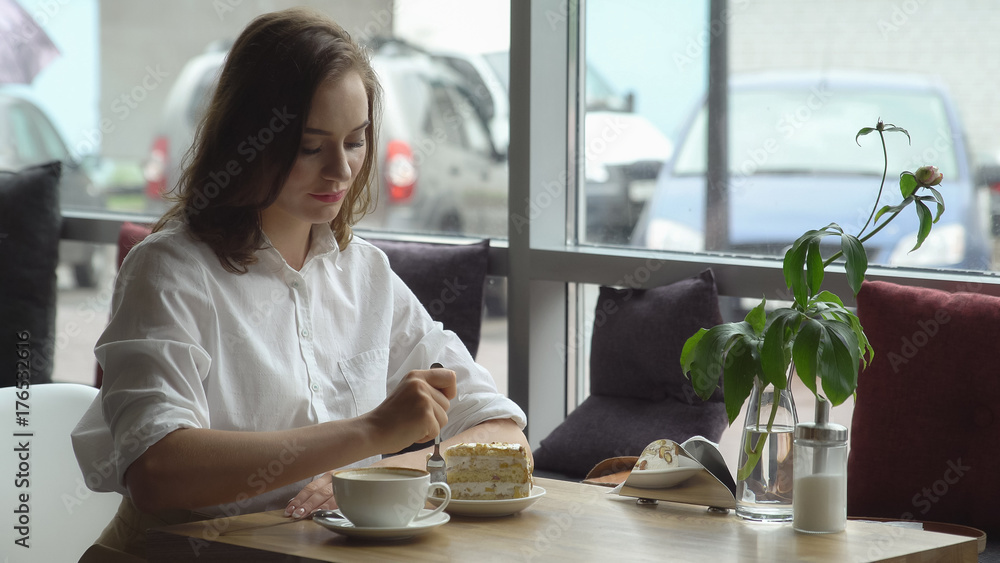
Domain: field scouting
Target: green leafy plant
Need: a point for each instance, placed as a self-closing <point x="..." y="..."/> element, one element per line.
<point x="817" y="334"/>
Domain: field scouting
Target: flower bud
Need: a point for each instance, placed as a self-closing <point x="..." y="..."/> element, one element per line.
<point x="928" y="176"/>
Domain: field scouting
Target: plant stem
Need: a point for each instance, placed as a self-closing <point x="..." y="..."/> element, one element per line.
<point x="840" y="253"/>
<point x="754" y="452"/>
<point x="885" y="170"/>
<point x="770" y="423"/>
<point x="881" y="186"/>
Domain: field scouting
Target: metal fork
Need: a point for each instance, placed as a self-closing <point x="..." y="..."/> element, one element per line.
<point x="436" y="464"/>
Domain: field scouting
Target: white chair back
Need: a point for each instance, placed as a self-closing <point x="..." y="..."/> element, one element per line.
<point x="48" y="508"/>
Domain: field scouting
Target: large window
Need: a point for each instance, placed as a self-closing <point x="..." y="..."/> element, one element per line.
<point x="121" y="91"/>
<point x="580" y="146"/>
<point x="800" y="83"/>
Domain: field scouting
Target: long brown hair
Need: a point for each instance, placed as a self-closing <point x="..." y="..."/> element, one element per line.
<point x="247" y="143"/>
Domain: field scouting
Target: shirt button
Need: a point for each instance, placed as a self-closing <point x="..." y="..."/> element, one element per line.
<point x="305" y="333"/>
<point x="295" y="284"/>
<point x="315" y="387"/>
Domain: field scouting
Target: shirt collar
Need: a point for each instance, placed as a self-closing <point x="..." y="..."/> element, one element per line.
<point x="323" y="241"/>
<point x="323" y="244"/>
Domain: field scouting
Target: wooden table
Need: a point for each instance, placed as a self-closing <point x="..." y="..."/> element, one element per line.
<point x="572" y="522"/>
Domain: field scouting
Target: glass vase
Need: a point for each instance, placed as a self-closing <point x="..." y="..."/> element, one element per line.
<point x="764" y="472"/>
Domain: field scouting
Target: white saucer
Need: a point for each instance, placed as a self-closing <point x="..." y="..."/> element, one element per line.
<point x="485" y="508"/>
<point x="418" y="527"/>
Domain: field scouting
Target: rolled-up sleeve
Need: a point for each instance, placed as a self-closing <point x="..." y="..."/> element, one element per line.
<point x="152" y="352"/>
<point x="418" y="341"/>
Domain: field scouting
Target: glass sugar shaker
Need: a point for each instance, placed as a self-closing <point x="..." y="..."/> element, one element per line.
<point x="819" y="498"/>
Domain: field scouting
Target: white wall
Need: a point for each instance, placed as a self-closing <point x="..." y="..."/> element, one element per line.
<point x="956" y="40"/>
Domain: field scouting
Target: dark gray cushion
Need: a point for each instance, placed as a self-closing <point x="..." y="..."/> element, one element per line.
<point x="29" y="253"/>
<point x="638" y="336"/>
<point x="448" y="279"/>
<point x="604" y="427"/>
<point x="638" y="392"/>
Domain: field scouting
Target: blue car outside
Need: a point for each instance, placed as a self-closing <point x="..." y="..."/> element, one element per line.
<point x="794" y="166"/>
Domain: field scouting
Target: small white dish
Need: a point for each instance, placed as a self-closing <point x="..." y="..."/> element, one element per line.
<point x="490" y="508"/>
<point x="343" y="526"/>
<point x="663" y="478"/>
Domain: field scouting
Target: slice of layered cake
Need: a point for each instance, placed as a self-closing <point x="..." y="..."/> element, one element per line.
<point x="488" y="471"/>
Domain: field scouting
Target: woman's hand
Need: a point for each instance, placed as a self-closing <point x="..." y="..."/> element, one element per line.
<point x="317" y="494"/>
<point x="495" y="430"/>
<point x="415" y="411"/>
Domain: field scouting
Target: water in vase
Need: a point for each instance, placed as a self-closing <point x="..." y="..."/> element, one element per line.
<point x="766" y="494"/>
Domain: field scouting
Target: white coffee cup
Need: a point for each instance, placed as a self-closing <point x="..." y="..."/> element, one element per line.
<point x="386" y="497"/>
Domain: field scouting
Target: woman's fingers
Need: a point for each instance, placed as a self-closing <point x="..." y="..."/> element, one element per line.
<point x="443" y="380"/>
<point x="421" y="402"/>
<point x="415" y="410"/>
<point x="440" y="389"/>
<point x="317" y="494"/>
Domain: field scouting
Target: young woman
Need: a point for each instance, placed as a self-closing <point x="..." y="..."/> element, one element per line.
<point x="254" y="344"/>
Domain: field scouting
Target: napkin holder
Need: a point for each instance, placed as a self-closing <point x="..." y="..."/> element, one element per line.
<point x="712" y="486"/>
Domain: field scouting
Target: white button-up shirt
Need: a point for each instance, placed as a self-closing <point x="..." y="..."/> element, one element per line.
<point x="191" y="345"/>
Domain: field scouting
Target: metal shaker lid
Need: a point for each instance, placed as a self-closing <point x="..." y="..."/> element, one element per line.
<point x="822" y="430"/>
